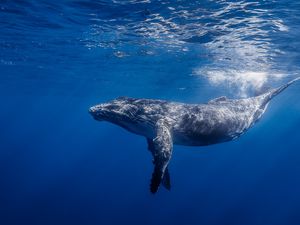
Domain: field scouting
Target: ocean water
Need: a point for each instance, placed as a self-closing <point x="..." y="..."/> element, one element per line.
<point x="58" y="58"/>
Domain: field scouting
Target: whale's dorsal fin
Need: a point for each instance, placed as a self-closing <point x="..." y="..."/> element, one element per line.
<point x="219" y="99"/>
<point x="125" y="98"/>
<point x="161" y="148"/>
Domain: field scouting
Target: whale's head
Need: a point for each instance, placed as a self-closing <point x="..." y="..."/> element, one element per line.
<point x="115" y="111"/>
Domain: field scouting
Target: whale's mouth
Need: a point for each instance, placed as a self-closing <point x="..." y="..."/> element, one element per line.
<point x="97" y="113"/>
<point x="92" y="110"/>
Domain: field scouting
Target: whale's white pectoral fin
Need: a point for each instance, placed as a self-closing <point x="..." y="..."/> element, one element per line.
<point x="161" y="148"/>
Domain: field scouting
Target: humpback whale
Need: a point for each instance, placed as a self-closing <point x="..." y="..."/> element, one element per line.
<point x="165" y="123"/>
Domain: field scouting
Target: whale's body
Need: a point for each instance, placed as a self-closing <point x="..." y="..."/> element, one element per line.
<point x="166" y="123"/>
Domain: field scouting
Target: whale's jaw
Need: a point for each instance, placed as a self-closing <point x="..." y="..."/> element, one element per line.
<point x="97" y="113"/>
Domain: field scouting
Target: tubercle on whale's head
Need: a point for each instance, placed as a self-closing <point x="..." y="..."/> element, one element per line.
<point x="96" y="112"/>
<point x="103" y="111"/>
<point x="116" y="109"/>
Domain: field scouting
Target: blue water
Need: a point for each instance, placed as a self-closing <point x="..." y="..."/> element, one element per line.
<point x="59" y="166"/>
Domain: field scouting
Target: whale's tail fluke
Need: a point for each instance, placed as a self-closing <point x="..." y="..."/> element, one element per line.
<point x="282" y="88"/>
<point x="274" y="92"/>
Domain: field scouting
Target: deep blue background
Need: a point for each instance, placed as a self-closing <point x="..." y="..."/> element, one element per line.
<point x="59" y="166"/>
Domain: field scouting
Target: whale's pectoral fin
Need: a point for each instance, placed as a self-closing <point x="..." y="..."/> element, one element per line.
<point x="161" y="148"/>
<point x="156" y="180"/>
<point x="166" y="180"/>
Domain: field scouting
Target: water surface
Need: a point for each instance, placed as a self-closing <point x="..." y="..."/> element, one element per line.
<point x="59" y="166"/>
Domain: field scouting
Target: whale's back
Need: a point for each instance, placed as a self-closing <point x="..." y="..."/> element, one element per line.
<point x="226" y="119"/>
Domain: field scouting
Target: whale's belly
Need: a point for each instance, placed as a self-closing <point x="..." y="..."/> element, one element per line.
<point x="199" y="139"/>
